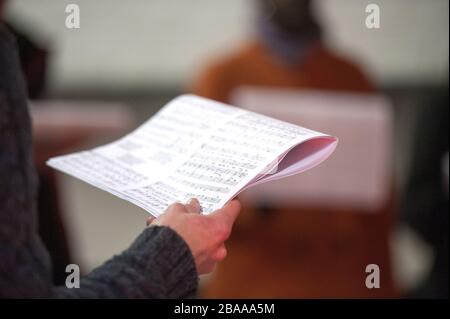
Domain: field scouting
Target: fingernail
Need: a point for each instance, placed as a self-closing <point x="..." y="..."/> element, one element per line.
<point x="192" y="201"/>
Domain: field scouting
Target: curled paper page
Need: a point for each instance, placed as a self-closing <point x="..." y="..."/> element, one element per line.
<point x="195" y="147"/>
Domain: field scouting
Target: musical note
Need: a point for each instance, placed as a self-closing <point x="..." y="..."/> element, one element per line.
<point x="193" y="147"/>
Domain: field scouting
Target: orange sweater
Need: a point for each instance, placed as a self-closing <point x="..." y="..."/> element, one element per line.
<point x="254" y="65"/>
<point x="314" y="252"/>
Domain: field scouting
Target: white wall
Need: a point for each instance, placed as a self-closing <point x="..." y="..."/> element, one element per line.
<point x="138" y="42"/>
<point x="164" y="42"/>
<point x="411" y="45"/>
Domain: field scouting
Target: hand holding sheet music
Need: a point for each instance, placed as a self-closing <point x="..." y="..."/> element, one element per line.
<point x="194" y="147"/>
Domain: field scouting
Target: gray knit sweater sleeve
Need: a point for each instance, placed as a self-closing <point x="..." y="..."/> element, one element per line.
<point x="158" y="264"/>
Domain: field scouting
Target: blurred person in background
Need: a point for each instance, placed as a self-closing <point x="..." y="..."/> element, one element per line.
<point x="315" y="252"/>
<point x="34" y="64"/>
<point x="288" y="51"/>
<point x="33" y="57"/>
<point x="425" y="205"/>
<point x="163" y="262"/>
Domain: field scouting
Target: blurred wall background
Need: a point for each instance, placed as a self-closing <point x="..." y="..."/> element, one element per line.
<point x="144" y="53"/>
<point x="160" y="44"/>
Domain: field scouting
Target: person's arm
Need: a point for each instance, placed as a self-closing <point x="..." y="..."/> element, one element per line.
<point x="163" y="262"/>
<point x="158" y="264"/>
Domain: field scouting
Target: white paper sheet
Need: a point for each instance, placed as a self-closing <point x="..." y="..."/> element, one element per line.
<point x="359" y="174"/>
<point x="194" y="147"/>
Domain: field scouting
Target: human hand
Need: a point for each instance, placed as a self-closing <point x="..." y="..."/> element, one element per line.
<point x="204" y="234"/>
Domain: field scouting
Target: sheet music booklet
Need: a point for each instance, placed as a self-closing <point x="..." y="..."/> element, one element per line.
<point x="195" y="147"/>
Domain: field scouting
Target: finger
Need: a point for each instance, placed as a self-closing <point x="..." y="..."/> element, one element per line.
<point x="228" y="213"/>
<point x="193" y="206"/>
<point x="176" y="208"/>
<point x="150" y="220"/>
<point x="153" y="221"/>
<point x="207" y="267"/>
<point x="220" y="253"/>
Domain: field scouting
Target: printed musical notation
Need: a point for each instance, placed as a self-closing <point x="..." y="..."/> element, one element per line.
<point x="193" y="147"/>
<point x="102" y="170"/>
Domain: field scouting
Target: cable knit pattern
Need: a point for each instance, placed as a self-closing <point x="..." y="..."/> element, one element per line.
<point x="158" y="264"/>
